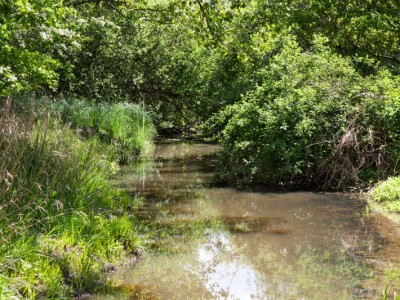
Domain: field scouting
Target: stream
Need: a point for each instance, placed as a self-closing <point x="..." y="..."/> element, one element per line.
<point x="223" y="243"/>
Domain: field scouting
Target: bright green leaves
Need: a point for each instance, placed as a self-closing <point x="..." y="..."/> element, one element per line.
<point x="34" y="36"/>
<point x="31" y="71"/>
<point x="365" y="28"/>
<point x="313" y="120"/>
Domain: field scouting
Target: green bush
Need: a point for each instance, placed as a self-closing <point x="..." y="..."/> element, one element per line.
<point x="387" y="193"/>
<point x="313" y="121"/>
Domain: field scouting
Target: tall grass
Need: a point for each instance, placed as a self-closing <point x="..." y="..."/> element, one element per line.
<point x="127" y="126"/>
<point x="61" y="224"/>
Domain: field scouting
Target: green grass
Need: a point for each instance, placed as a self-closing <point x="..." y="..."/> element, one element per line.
<point x="387" y="194"/>
<point x="126" y="126"/>
<point x="62" y="225"/>
<point x="384" y="198"/>
<point x="393" y="279"/>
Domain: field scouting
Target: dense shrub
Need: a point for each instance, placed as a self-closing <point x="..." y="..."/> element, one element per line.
<point x="312" y="121"/>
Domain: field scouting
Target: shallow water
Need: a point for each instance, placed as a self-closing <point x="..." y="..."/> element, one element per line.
<point x="257" y="245"/>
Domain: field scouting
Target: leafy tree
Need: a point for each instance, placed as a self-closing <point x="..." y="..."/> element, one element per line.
<point x="138" y="52"/>
<point x="313" y="120"/>
<point x="354" y="27"/>
<point x="33" y="36"/>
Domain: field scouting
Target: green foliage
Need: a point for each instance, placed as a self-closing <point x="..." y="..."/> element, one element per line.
<point x="139" y="53"/>
<point x="189" y="59"/>
<point x="354" y="27"/>
<point x="393" y="277"/>
<point x="116" y="52"/>
<point x="62" y="225"/>
<point x="313" y="120"/>
<point x="184" y="59"/>
<point x="125" y="126"/>
<point x="34" y="36"/>
<point x="387" y="194"/>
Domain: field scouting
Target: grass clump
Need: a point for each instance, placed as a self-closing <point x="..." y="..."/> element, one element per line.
<point x="62" y="225"/>
<point x="387" y="194"/>
<point x="126" y="126"/>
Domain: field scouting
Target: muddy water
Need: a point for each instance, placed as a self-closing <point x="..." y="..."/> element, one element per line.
<point x="254" y="245"/>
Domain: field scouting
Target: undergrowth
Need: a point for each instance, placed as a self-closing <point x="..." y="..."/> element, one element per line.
<point x="126" y="128"/>
<point x="312" y="122"/>
<point x="387" y="194"/>
<point x="62" y="225"/>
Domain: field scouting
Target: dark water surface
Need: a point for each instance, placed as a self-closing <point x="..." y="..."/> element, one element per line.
<point x="257" y="245"/>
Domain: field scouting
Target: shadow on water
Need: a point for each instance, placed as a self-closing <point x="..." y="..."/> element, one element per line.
<point x="221" y="243"/>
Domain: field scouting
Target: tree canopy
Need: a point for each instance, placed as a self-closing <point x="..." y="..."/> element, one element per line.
<point x="188" y="60"/>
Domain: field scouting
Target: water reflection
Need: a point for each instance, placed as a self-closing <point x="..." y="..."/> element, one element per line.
<point x="267" y="245"/>
<point x="225" y="273"/>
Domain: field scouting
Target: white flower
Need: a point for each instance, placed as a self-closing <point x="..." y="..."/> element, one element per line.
<point x="12" y="78"/>
<point x="44" y="35"/>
